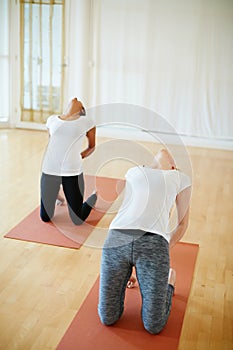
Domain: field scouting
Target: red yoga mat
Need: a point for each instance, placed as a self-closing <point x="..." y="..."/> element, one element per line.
<point x="61" y="231"/>
<point x="87" y="333"/>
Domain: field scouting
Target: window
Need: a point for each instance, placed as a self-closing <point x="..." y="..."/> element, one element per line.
<point x="42" y="50"/>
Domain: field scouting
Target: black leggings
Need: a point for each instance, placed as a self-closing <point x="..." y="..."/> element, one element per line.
<point x="73" y="187"/>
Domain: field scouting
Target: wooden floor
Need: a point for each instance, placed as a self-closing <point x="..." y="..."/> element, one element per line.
<point x="42" y="287"/>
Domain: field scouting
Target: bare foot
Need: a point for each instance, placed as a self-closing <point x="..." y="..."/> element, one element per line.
<point x="60" y="200"/>
<point x="91" y="201"/>
<point x="131" y="282"/>
<point x="172" y="277"/>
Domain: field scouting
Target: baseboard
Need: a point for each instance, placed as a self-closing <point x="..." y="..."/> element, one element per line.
<point x="128" y="133"/>
<point x="164" y="138"/>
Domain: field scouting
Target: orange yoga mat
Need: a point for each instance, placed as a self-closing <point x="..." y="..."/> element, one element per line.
<point x="61" y="231"/>
<point x="87" y="333"/>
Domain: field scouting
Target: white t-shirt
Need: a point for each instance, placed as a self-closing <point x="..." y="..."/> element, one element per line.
<point x="63" y="154"/>
<point x="149" y="197"/>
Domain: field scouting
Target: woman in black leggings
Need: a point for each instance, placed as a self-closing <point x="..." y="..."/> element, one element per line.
<point x="62" y="164"/>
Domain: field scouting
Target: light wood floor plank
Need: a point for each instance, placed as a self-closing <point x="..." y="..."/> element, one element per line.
<point x="42" y="287"/>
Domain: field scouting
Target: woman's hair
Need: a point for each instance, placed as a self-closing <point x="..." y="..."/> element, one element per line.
<point x="169" y="157"/>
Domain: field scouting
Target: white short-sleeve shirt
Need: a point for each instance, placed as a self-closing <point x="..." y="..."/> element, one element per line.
<point x="63" y="153"/>
<point x="149" y="197"/>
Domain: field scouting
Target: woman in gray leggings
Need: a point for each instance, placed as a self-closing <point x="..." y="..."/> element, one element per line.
<point x="138" y="237"/>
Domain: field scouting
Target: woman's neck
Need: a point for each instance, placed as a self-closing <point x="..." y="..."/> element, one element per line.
<point x="70" y="116"/>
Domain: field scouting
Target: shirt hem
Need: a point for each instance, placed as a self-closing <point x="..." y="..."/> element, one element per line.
<point x="142" y="229"/>
<point x="62" y="174"/>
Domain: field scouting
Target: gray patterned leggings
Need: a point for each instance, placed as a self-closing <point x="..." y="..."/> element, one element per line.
<point x="149" y="253"/>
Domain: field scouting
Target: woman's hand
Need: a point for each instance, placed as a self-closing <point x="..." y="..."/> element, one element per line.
<point x="91" y="143"/>
<point x="182" y="205"/>
<point x="131" y="282"/>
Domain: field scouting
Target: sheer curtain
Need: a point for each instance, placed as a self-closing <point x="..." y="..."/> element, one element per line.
<point x="4" y="60"/>
<point x="78" y="36"/>
<point x="172" y="57"/>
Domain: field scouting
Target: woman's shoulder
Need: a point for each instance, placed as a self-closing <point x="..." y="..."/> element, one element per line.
<point x="51" y="120"/>
<point x="181" y="179"/>
<point x="88" y="122"/>
<point x="53" y="116"/>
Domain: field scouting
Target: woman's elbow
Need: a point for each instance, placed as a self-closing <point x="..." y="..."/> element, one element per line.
<point x="92" y="149"/>
<point x="184" y="225"/>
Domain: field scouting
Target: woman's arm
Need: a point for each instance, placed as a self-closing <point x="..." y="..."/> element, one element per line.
<point x="182" y="205"/>
<point x="91" y="143"/>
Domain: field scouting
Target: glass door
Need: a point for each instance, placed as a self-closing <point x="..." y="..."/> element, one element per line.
<point x="42" y="59"/>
